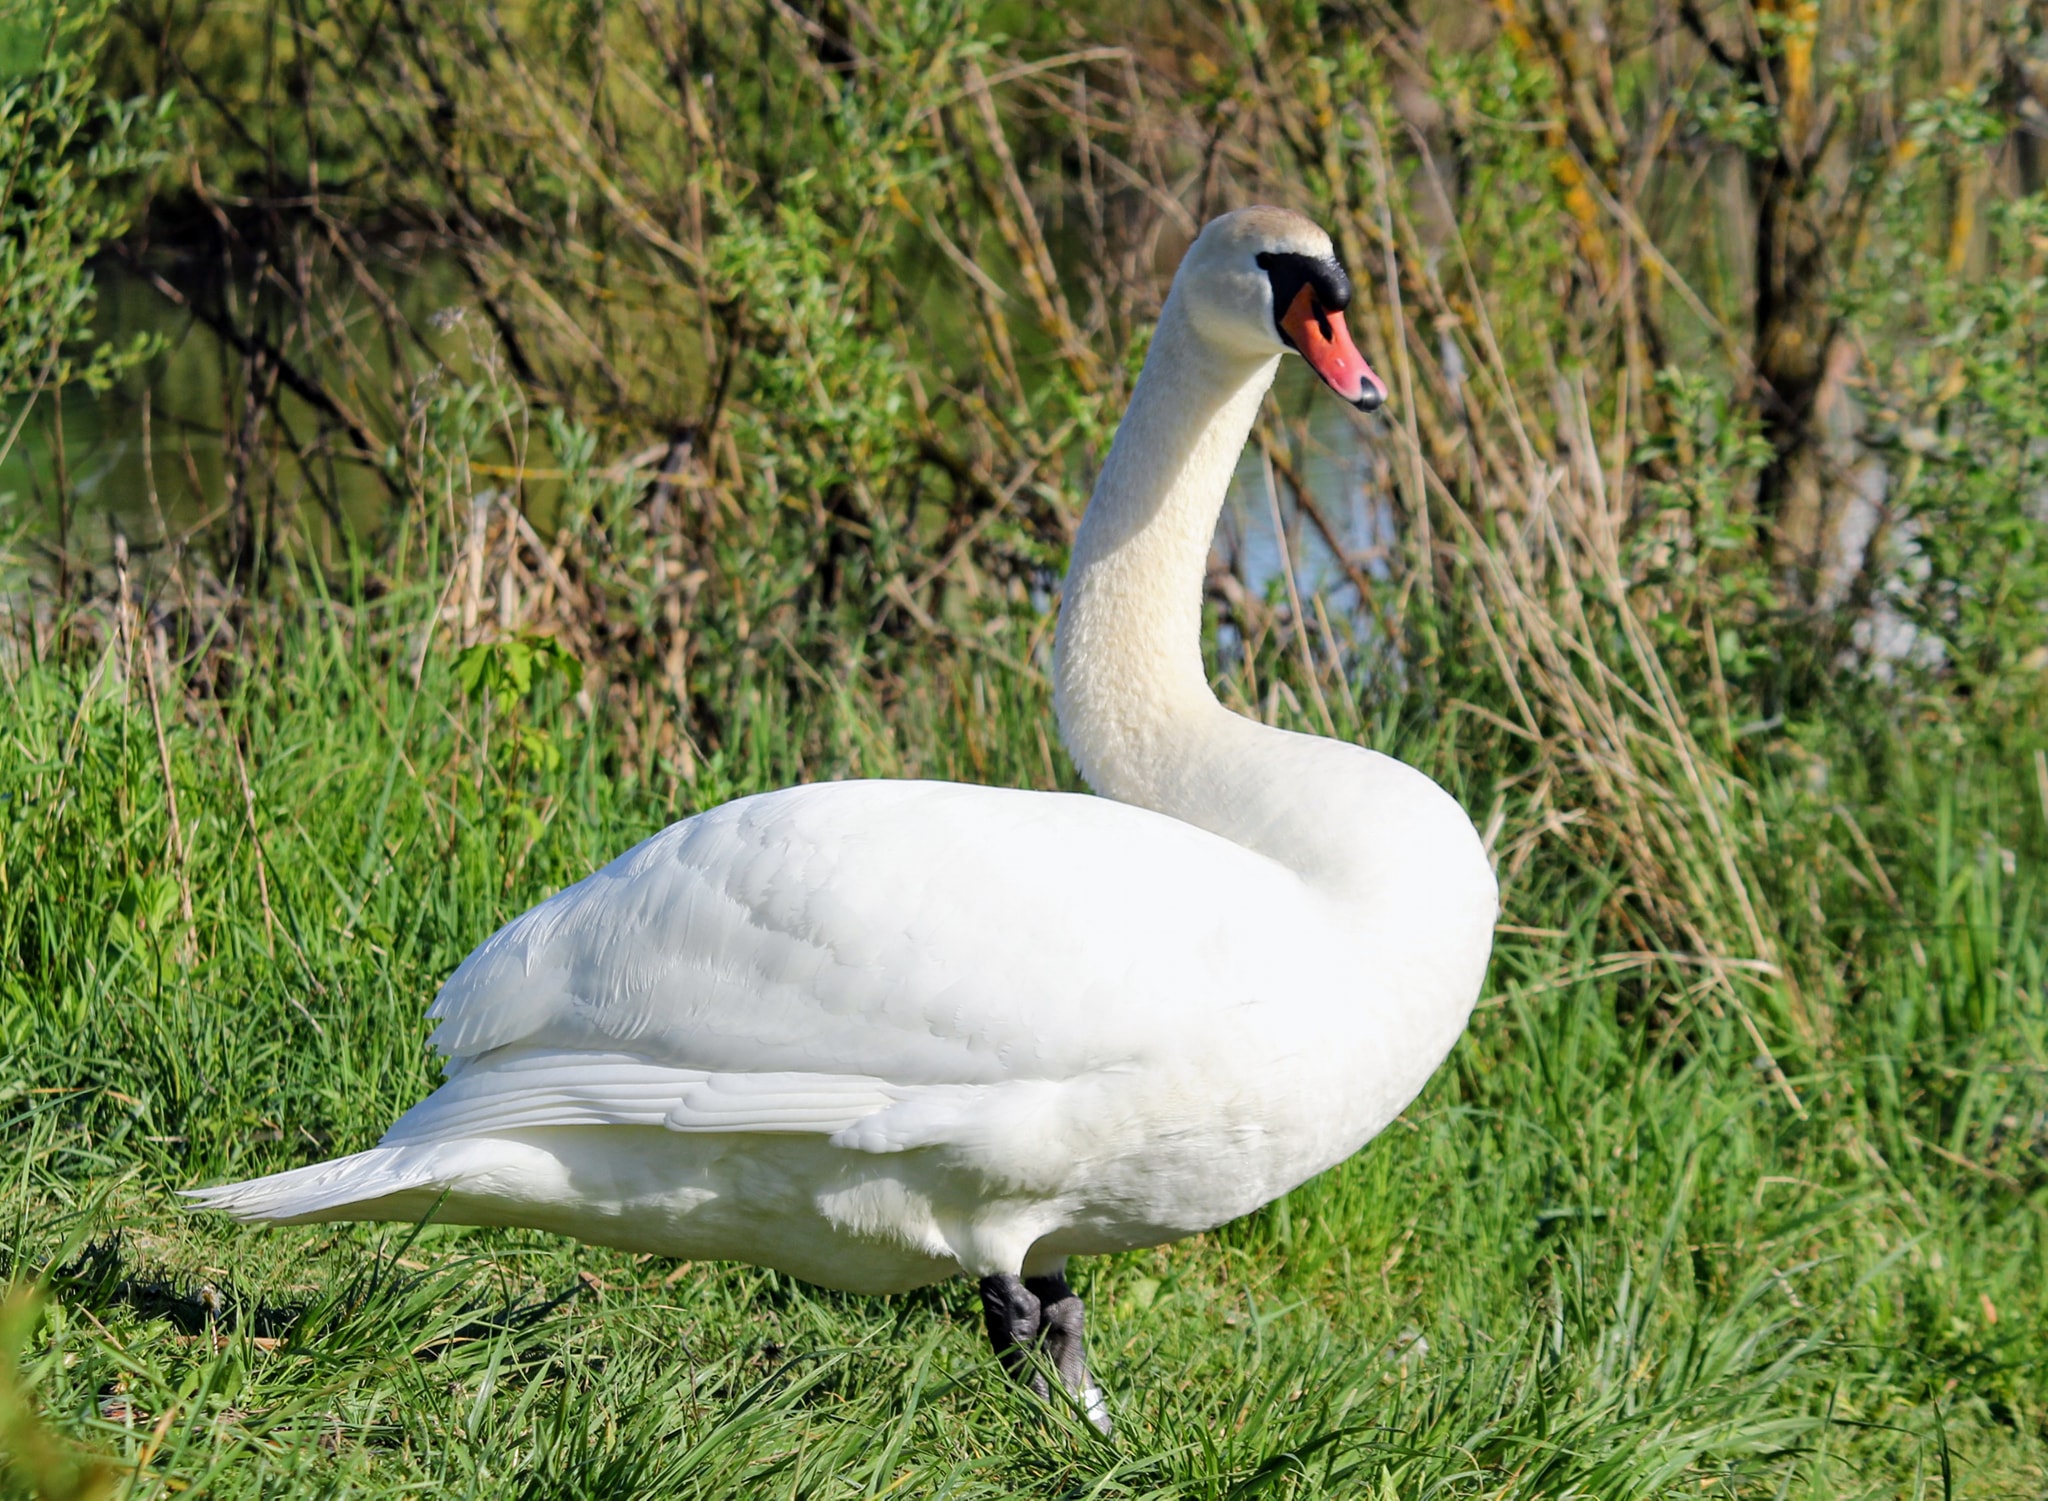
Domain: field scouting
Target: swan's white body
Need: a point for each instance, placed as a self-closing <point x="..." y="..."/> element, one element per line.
<point x="876" y="1034"/>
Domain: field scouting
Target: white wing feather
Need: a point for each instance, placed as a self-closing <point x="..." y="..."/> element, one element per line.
<point x="524" y="1088"/>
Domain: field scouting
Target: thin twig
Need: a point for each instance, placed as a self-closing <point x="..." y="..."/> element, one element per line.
<point x="1298" y="625"/>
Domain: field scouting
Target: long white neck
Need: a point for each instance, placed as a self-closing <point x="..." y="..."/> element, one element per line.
<point x="1130" y="690"/>
<point x="1133" y="698"/>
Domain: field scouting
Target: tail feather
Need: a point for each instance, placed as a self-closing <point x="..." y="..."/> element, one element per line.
<point x="382" y="1183"/>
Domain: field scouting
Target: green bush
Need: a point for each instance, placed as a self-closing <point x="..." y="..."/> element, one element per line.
<point x="67" y="152"/>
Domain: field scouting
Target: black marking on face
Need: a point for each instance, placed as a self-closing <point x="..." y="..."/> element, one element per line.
<point x="1289" y="272"/>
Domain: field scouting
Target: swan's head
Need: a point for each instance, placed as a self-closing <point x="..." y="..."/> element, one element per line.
<point x="1261" y="281"/>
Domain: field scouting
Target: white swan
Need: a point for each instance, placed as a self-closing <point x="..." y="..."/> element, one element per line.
<point x="876" y="1034"/>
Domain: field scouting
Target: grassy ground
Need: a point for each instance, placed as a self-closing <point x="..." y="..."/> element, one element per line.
<point x="1604" y="1254"/>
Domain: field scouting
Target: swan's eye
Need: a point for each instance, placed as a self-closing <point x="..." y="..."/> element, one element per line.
<point x="1291" y="273"/>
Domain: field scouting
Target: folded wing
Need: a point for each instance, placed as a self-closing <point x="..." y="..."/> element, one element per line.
<point x="793" y="957"/>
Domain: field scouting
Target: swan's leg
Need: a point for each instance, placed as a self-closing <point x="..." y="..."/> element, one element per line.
<point x="1064" y="1345"/>
<point x="1014" y="1325"/>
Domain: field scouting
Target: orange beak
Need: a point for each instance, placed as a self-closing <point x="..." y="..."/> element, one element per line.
<point x="1320" y="337"/>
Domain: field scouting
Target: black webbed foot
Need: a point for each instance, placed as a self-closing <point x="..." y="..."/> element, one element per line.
<point x="1015" y="1322"/>
<point x="1042" y="1315"/>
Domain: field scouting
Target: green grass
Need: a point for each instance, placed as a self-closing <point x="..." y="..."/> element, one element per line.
<point x="1602" y="1255"/>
